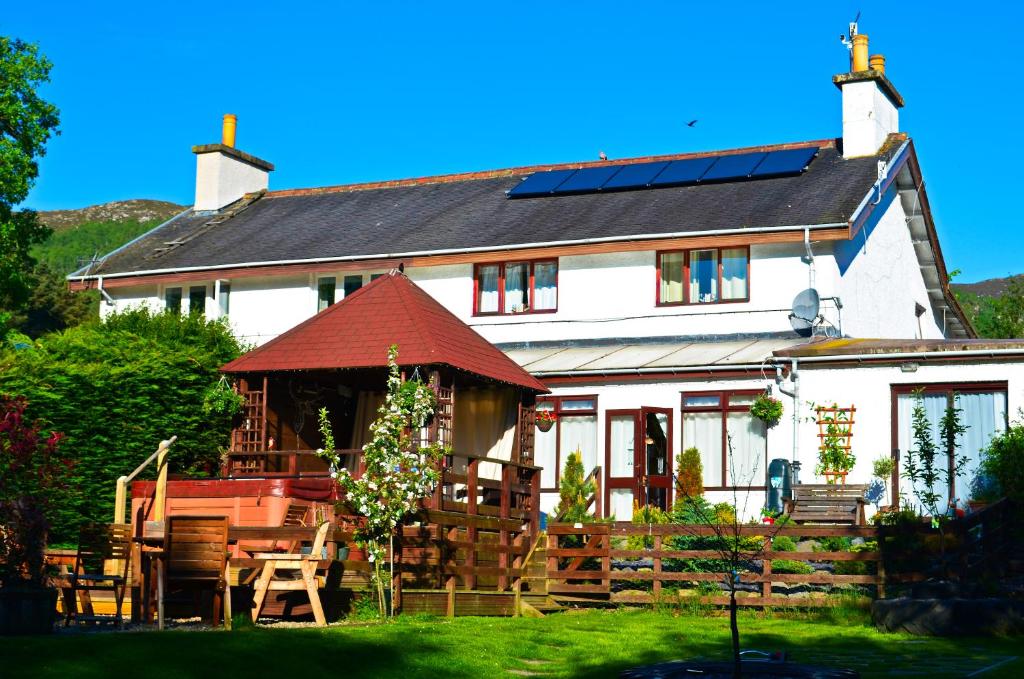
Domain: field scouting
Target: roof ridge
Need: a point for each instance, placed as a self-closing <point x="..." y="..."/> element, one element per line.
<point x="511" y="171"/>
<point x="426" y="338"/>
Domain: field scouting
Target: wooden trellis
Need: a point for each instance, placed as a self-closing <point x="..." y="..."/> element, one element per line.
<point x="842" y="419"/>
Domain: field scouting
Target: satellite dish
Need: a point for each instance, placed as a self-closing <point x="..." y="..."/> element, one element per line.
<point x="806" y="307"/>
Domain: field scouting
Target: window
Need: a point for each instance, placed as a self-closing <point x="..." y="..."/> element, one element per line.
<point x="710" y="419"/>
<point x="983" y="411"/>
<point x="197" y="299"/>
<point x="516" y="287"/>
<point x="375" y="276"/>
<point x="575" y="429"/>
<point x="352" y="283"/>
<point x="704" y="276"/>
<point x="325" y="292"/>
<point x="224" y="302"/>
<point x="172" y="300"/>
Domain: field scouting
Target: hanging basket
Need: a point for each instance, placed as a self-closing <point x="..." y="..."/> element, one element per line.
<point x="545" y="425"/>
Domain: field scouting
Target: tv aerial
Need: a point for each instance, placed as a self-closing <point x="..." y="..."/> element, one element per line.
<point x="806" y="317"/>
<point x="847" y="39"/>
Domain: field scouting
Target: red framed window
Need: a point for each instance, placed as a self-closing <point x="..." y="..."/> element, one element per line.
<point x="710" y="420"/>
<point x="575" y="428"/>
<point x="704" y="276"/>
<point x="515" y="287"/>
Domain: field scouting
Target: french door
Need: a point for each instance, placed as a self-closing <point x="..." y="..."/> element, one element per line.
<point x="638" y="457"/>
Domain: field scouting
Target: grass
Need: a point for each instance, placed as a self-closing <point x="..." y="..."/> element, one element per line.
<point x="587" y="644"/>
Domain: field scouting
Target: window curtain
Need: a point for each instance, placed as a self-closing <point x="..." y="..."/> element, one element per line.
<point x="579" y="432"/>
<point x="935" y="406"/>
<point x="703" y="431"/>
<point x="703" y="276"/>
<point x="485" y="423"/>
<point x="367" y="405"/>
<point x="734" y="273"/>
<point x="620" y="503"/>
<point x="622" y="435"/>
<point x="544" y="451"/>
<point x="984" y="414"/>
<point x="545" y="283"/>
<point x="746" y="465"/>
<point x="487" y="289"/>
<point x="671" y="277"/>
<point x="517" y="282"/>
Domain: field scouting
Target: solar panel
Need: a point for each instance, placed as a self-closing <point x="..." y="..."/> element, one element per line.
<point x="789" y="161"/>
<point x="636" y="176"/>
<point x="738" y="166"/>
<point x="683" y="171"/>
<point x="540" y="183"/>
<point x="587" y="179"/>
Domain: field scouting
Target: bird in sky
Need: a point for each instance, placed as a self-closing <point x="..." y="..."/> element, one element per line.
<point x="691" y="123"/>
<point x="602" y="155"/>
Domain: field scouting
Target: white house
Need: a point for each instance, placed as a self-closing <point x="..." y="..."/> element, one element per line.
<point x="653" y="296"/>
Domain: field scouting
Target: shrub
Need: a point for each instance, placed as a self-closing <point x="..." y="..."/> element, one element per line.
<point x="573" y="492"/>
<point x="1004" y="460"/>
<point x="855" y="567"/>
<point x="644" y="516"/>
<point x="790" y="566"/>
<point x="783" y="543"/>
<point x="689" y="474"/>
<point x="116" y="389"/>
<point x="31" y="475"/>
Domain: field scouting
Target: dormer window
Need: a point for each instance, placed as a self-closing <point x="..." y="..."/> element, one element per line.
<point x="704" y="276"/>
<point x="516" y="288"/>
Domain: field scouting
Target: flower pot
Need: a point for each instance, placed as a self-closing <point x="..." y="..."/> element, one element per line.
<point x="27" y="611"/>
<point x="545" y="425"/>
<point x="835" y="477"/>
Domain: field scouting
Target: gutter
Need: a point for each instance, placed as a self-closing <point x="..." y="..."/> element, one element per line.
<point x="452" y="251"/>
<point x="644" y="371"/>
<point x="881" y="185"/>
<point x="899" y="356"/>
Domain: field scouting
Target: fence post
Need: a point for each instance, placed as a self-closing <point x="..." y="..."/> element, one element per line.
<point x="657" y="567"/>
<point x="503" y="535"/>
<point x="552" y="565"/>
<point x="766" y="573"/>
<point x="472" y="479"/>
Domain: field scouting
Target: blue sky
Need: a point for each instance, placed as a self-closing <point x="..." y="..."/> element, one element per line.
<point x="341" y="92"/>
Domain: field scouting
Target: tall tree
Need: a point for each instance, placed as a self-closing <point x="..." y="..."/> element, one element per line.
<point x="26" y="124"/>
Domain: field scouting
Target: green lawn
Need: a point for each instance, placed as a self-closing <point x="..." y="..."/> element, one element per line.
<point x="584" y="644"/>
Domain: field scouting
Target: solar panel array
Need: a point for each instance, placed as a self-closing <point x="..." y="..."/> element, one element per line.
<point x="600" y="178"/>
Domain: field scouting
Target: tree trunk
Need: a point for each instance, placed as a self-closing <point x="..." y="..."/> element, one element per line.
<point x="737" y="668"/>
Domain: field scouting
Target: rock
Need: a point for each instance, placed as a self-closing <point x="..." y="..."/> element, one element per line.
<point x="949" y="617"/>
<point x="807" y="546"/>
<point x="935" y="589"/>
<point x="856" y="542"/>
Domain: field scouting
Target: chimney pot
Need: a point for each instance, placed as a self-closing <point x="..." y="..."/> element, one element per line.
<point x="860" y="53"/>
<point x="227" y="136"/>
<point x="877" y="62"/>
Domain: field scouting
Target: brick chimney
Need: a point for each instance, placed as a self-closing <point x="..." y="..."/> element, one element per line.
<point x="224" y="174"/>
<point x="870" y="102"/>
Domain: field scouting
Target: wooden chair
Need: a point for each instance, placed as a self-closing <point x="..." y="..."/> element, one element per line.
<point x="101" y="564"/>
<point x="824" y="503"/>
<point x="195" y="556"/>
<point x="305" y="564"/>
<point x="295" y="516"/>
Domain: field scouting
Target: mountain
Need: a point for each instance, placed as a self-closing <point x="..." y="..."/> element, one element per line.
<point x="78" y="235"/>
<point x="991" y="287"/>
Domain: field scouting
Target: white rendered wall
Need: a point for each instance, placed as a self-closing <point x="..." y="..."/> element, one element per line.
<point x="222" y="179"/>
<point x="868" y="117"/>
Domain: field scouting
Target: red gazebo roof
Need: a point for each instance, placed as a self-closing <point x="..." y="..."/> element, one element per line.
<point x="356" y="333"/>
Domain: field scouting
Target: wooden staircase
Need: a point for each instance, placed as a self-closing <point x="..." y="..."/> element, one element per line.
<point x="534" y="598"/>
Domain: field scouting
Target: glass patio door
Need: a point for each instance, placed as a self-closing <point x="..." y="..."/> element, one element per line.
<point x="638" y="446"/>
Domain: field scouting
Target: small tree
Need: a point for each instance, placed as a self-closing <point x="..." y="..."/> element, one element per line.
<point x="736" y="552"/>
<point x="689" y="474"/>
<point x="574" y="491"/>
<point x="398" y="474"/>
<point x="925" y="465"/>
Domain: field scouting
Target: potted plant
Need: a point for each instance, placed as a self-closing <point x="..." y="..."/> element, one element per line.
<point x="545" y="419"/>
<point x="767" y="409"/>
<point x="32" y="474"/>
<point x="835" y="456"/>
<point x="882" y="469"/>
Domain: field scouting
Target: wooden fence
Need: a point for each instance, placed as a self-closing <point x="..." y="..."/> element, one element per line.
<point x="594" y="560"/>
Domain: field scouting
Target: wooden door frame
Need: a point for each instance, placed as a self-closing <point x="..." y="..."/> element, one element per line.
<point x="639" y="416"/>
<point x="642" y="458"/>
<point x="609" y="484"/>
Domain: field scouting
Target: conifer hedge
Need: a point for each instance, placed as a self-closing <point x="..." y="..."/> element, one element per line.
<point x="115" y="389"/>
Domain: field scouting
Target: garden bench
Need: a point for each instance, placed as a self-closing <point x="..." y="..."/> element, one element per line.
<point x="827" y="504"/>
<point x="305" y="564"/>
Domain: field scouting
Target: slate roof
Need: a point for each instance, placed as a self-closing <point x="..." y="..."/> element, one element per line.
<point x="471" y="211"/>
<point x="356" y="333"/>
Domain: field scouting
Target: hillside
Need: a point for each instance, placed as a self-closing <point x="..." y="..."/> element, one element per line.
<point x="991" y="287"/>
<point x="96" y="230"/>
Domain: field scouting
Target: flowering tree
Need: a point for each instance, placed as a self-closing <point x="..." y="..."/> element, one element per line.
<point x="399" y="470"/>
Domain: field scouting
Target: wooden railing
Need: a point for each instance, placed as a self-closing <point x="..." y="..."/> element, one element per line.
<point x="160" y="493"/>
<point x="268" y="463"/>
<point x="586" y="561"/>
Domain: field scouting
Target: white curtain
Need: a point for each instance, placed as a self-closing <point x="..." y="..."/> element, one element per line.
<point x="746" y="465"/>
<point x="703" y="431"/>
<point x="367" y="405"/>
<point x="485" y="421"/>
<point x="487" y="287"/>
<point x="734" y="273"/>
<point x="935" y="406"/>
<point x="671" y="277"/>
<point x="544" y="452"/>
<point x="545" y="276"/>
<point x="579" y="432"/>
<point x="621" y="503"/>
<point x="622" y="435"/>
<point x="517" y="282"/>
<point x="984" y="414"/>
<point x="703" y="276"/>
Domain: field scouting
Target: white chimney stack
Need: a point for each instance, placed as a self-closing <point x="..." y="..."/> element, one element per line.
<point x="870" y="102"/>
<point x="224" y="174"/>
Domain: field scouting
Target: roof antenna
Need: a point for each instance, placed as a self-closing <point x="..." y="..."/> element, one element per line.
<point x="847" y="40"/>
